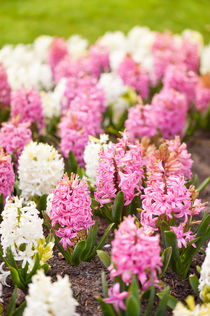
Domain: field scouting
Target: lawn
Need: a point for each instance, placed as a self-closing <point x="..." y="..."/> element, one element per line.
<point x="23" y="20"/>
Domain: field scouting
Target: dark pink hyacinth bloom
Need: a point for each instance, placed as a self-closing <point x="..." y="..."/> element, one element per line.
<point x="14" y="136"/>
<point x="141" y="121"/>
<point x="70" y="208"/>
<point x="27" y="106"/>
<point x="134" y="76"/>
<point x="170" y="111"/>
<point x="120" y="168"/>
<point x="7" y="175"/>
<point x="5" y="89"/>
<point x="116" y="297"/>
<point x="135" y="251"/>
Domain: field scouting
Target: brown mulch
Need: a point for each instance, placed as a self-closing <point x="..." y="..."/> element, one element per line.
<point x="86" y="278"/>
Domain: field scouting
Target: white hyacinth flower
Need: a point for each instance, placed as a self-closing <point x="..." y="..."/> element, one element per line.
<point x="117" y="89"/>
<point x="205" y="273"/>
<point x="205" y="60"/>
<point x="40" y="168"/>
<point x="91" y="155"/>
<point x="77" y="45"/>
<point x="50" y="299"/>
<point x="114" y="41"/>
<point x="21" y="229"/>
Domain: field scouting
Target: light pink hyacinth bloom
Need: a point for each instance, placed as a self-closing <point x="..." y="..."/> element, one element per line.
<point x="134" y="76"/>
<point x="135" y="252"/>
<point x="183" y="237"/>
<point x="178" y="77"/>
<point x="74" y="130"/>
<point x="5" y="89"/>
<point x="27" y="106"/>
<point x="14" y="136"/>
<point x="57" y="51"/>
<point x="169" y="197"/>
<point x="170" y="112"/>
<point x="7" y="175"/>
<point x="71" y="208"/>
<point x="116" y="297"/>
<point x="172" y="158"/>
<point x="120" y="168"/>
<point x="141" y="121"/>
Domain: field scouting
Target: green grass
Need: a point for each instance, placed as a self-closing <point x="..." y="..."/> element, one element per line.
<point x="24" y="20"/>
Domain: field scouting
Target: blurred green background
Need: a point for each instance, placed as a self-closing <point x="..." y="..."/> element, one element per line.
<point x="24" y="20"/>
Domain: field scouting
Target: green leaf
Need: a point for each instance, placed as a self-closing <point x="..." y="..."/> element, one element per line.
<point x="204" y="184"/>
<point x="172" y="301"/>
<point x="107" y="309"/>
<point x="118" y="207"/>
<point x="107" y="213"/>
<point x="1" y="203"/>
<point x="78" y="250"/>
<point x="160" y="311"/>
<point x="16" y="278"/>
<point x="151" y="301"/>
<point x="166" y="257"/>
<point x="73" y="162"/>
<point x="11" y="259"/>
<point x="104" y="257"/>
<point x="90" y="241"/>
<point x="175" y="258"/>
<point x="11" y="306"/>
<point x="103" y="238"/>
<point x="195" y="180"/>
<point x="35" y="268"/>
<point x="19" y="311"/>
<point x="42" y="204"/>
<point x="135" y="288"/>
<point x="133" y="307"/>
<point x="193" y="279"/>
<point x="104" y="284"/>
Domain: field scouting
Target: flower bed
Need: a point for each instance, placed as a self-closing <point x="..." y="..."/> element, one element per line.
<point x="94" y="165"/>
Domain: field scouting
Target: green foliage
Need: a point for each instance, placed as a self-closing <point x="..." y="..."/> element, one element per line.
<point x="92" y="18"/>
<point x="84" y="250"/>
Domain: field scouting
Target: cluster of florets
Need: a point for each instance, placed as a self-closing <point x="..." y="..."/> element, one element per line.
<point x="204" y="281"/>
<point x="180" y="78"/>
<point x="166" y="51"/>
<point x="52" y="298"/>
<point x="14" y="136"/>
<point x="5" y="89"/>
<point x="135" y="251"/>
<point x="167" y="113"/>
<point x="170" y="111"/>
<point x="7" y="175"/>
<point x="27" y="106"/>
<point x="120" y="168"/>
<point x="21" y="229"/>
<point x="98" y="60"/>
<point x="91" y="155"/>
<point x="40" y="167"/>
<point x="133" y="75"/>
<point x="166" y="195"/>
<point x="74" y="130"/>
<point x="57" y="51"/>
<point x="70" y="209"/>
<point x="141" y="121"/>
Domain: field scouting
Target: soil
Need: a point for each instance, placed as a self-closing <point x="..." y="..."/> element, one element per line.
<point x="86" y="278"/>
